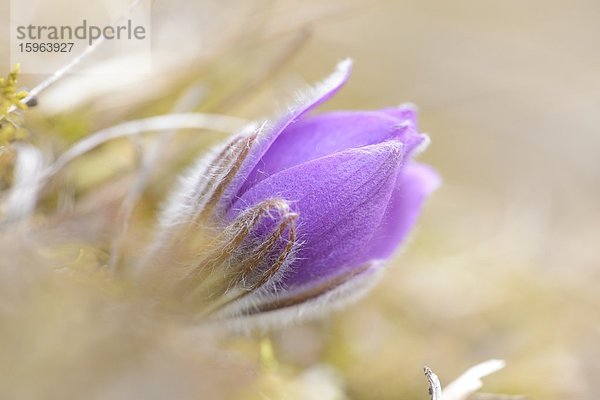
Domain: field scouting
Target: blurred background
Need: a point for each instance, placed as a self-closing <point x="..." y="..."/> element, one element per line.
<point x="504" y="262"/>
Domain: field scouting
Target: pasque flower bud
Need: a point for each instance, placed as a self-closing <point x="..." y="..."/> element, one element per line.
<point x="309" y="206"/>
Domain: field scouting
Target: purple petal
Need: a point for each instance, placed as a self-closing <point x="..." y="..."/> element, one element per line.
<point x="267" y="135"/>
<point x="325" y="134"/>
<point x="408" y="114"/>
<point x="341" y="199"/>
<point x="404" y="112"/>
<point x="414" y="184"/>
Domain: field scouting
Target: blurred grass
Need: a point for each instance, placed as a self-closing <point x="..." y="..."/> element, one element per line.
<point x="504" y="263"/>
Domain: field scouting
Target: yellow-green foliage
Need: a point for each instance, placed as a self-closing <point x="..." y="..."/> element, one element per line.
<point x="10" y="100"/>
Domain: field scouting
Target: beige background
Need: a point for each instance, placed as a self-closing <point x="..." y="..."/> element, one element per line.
<point x="505" y="261"/>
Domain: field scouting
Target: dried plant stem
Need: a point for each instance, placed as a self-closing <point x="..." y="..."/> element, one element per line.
<point x="470" y="381"/>
<point x="465" y="385"/>
<point x="215" y="122"/>
<point x="33" y="93"/>
<point x="435" y="388"/>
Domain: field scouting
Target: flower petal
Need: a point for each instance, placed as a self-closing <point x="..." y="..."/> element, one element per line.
<point x="268" y="133"/>
<point x="407" y="113"/>
<point x="340" y="198"/>
<point x="404" y="112"/>
<point x="414" y="184"/>
<point x="325" y="134"/>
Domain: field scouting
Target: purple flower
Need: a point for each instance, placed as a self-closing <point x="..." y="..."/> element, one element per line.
<point x="319" y="200"/>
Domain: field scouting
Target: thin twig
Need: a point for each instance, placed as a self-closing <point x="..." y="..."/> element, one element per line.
<point x="167" y="122"/>
<point x="33" y="93"/>
<point x="435" y="388"/>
